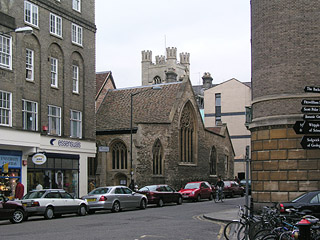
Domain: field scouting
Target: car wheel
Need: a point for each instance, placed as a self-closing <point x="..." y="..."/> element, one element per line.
<point x="48" y="214"/>
<point x="179" y="202"/>
<point x="18" y="216"/>
<point x="143" y="204"/>
<point x="198" y="198"/>
<point x="160" y="203"/>
<point x="210" y="197"/>
<point x="116" y="207"/>
<point x="82" y="210"/>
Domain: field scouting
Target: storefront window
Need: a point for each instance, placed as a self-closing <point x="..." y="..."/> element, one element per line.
<point x="57" y="172"/>
<point x="10" y="171"/>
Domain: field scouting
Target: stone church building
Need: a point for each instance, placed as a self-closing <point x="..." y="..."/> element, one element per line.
<point x="169" y="141"/>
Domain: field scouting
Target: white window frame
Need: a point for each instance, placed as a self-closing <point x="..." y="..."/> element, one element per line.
<point x="54" y="72"/>
<point x="75" y="124"/>
<point x="76" y="34"/>
<point x="29" y="115"/>
<point x="55" y="25"/>
<point x="5" y="108"/>
<point x="54" y="120"/>
<point x="5" y="51"/>
<point x="76" y="5"/>
<point x="31" y="13"/>
<point x="29" y="64"/>
<point x="75" y="79"/>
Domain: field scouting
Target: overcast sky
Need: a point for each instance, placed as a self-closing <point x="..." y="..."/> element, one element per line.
<point x="216" y="33"/>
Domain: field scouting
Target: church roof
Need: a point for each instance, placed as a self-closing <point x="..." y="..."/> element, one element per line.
<point x="101" y="80"/>
<point x="149" y="106"/>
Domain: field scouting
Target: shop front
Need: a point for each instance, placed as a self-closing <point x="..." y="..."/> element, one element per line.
<point x="10" y="171"/>
<point x="54" y="170"/>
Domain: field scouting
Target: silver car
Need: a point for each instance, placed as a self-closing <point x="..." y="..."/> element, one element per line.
<point x="114" y="198"/>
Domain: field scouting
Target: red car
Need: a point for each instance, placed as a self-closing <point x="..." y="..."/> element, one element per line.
<point x="232" y="188"/>
<point x="197" y="191"/>
<point x="11" y="210"/>
<point x="161" y="194"/>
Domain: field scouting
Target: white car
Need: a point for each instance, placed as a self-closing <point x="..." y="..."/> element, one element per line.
<point x="114" y="198"/>
<point x="52" y="203"/>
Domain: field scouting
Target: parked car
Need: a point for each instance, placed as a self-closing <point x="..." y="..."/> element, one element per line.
<point x="243" y="184"/>
<point x="161" y="194"/>
<point x="306" y="201"/>
<point x="197" y="191"/>
<point x="114" y="198"/>
<point x="232" y="188"/>
<point x="52" y="202"/>
<point x="11" y="210"/>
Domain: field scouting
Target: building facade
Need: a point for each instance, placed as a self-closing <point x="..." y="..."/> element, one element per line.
<point x="226" y="103"/>
<point x="169" y="142"/>
<point x="47" y="90"/>
<point x="285" y="60"/>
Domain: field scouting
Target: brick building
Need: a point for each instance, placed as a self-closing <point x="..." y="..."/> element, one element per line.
<point x="169" y="142"/>
<point x="285" y="59"/>
<point x="47" y="90"/>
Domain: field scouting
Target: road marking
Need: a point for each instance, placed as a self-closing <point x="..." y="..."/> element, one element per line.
<point x="221" y="224"/>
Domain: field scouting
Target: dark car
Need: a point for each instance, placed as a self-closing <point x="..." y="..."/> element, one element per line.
<point x="11" y="210"/>
<point x="161" y="194"/>
<point x="232" y="188"/>
<point x="243" y="184"/>
<point x="197" y="191"/>
<point x="307" y="201"/>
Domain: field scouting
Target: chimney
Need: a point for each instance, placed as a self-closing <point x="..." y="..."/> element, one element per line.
<point x="171" y="75"/>
<point x="207" y="80"/>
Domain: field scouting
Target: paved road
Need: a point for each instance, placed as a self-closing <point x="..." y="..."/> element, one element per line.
<point x="178" y="222"/>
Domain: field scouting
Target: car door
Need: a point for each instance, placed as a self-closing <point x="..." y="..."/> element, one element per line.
<point x="70" y="204"/>
<point x="204" y="190"/>
<point x="314" y="205"/>
<point x="171" y="194"/>
<point x="53" y="198"/>
<point x="6" y="210"/>
<point x="119" y="195"/>
<point x="132" y="199"/>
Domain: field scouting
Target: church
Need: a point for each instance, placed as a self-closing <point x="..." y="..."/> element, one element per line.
<point x="154" y="134"/>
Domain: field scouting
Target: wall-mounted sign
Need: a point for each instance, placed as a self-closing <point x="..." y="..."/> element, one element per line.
<point x="310" y="109"/>
<point x="310" y="102"/>
<point x="310" y="142"/>
<point x="65" y="143"/>
<point x="312" y="89"/>
<point x="39" y="158"/>
<point x="103" y="149"/>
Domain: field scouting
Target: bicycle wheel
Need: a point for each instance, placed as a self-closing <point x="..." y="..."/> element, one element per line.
<point x="270" y="236"/>
<point x="242" y="232"/>
<point x="261" y="234"/>
<point x="286" y="236"/>
<point x="232" y="229"/>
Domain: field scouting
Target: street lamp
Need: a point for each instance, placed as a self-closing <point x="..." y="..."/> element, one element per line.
<point x="131" y="115"/>
<point x="27" y="30"/>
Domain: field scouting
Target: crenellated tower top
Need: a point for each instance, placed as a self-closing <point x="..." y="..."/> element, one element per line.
<point x="171" y="53"/>
<point x="146" y="56"/>
<point x="185" y="58"/>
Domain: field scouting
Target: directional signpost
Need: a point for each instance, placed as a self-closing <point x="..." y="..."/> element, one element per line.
<point x="311" y="123"/>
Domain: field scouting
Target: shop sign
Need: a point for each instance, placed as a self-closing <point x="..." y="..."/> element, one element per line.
<point x="65" y="143"/>
<point x="103" y="149"/>
<point x="14" y="161"/>
<point x="39" y="159"/>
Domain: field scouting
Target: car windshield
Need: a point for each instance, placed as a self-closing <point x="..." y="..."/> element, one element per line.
<point x="298" y="198"/>
<point x="100" y="191"/>
<point x="148" y="188"/>
<point x="192" y="185"/>
<point x="32" y="195"/>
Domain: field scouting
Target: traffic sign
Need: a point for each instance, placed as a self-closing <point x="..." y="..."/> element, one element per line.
<point x="310" y="102"/>
<point x="312" y="89"/>
<point x="310" y="109"/>
<point x="308" y="142"/>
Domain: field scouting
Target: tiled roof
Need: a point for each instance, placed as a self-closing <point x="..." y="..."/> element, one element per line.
<point x="149" y="106"/>
<point x="100" y="78"/>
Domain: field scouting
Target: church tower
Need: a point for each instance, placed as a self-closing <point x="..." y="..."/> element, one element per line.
<point x="156" y="73"/>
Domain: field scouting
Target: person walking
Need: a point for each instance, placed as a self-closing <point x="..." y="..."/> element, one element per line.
<point x="18" y="193"/>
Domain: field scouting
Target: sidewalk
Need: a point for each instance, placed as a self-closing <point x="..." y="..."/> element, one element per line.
<point x="223" y="216"/>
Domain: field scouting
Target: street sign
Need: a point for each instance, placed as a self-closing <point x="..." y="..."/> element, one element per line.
<point x="306" y="127"/>
<point x="311" y="117"/>
<point x="312" y="89"/>
<point x="310" y="109"/>
<point x="308" y="142"/>
<point x="310" y="102"/>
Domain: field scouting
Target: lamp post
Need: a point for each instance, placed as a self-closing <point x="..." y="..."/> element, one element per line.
<point x="131" y="129"/>
<point x="27" y="30"/>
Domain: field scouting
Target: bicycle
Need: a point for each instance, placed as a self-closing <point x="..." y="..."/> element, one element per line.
<point x="219" y="196"/>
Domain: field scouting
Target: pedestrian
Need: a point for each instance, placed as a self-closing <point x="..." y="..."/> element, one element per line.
<point x="91" y="186"/>
<point x="19" y="191"/>
<point x="236" y="179"/>
<point x="38" y="186"/>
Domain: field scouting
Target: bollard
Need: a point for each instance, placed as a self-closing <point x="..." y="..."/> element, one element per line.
<point x="304" y="229"/>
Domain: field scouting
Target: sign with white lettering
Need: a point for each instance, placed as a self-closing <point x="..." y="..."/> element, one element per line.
<point x="312" y="89"/>
<point x="310" y="109"/>
<point x="103" y="149"/>
<point x="310" y="102"/>
<point x="310" y="142"/>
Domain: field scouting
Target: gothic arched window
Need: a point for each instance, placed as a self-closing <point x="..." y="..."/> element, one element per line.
<point x="213" y="161"/>
<point x="187" y="132"/>
<point x="157" y="158"/>
<point x="156" y="80"/>
<point x="119" y="156"/>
